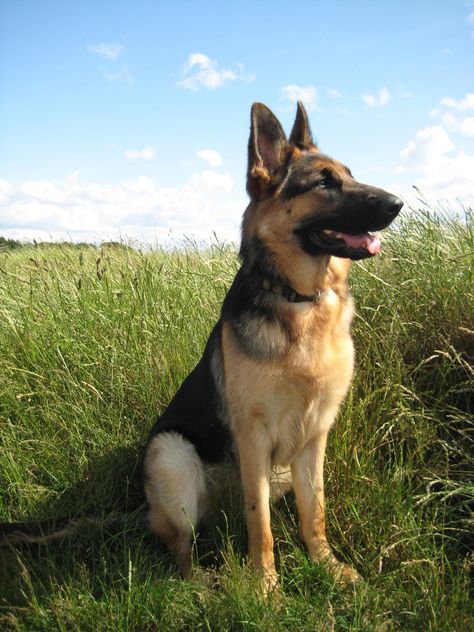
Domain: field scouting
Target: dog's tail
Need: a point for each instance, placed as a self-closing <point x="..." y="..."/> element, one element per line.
<point x="47" y="531"/>
<point x="27" y="533"/>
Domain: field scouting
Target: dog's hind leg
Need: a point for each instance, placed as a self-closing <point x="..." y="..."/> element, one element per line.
<point x="175" y="486"/>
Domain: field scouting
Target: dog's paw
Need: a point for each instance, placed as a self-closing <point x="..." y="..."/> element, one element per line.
<point x="202" y="577"/>
<point x="344" y="574"/>
<point x="268" y="586"/>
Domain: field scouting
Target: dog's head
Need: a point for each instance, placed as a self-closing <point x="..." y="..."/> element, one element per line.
<point x="304" y="198"/>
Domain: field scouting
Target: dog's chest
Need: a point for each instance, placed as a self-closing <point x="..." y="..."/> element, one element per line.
<point x="306" y="395"/>
<point x="282" y="403"/>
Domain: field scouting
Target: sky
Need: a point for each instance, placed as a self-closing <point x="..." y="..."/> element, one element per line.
<point x="130" y="119"/>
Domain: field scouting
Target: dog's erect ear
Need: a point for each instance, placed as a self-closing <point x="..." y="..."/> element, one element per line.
<point x="268" y="149"/>
<point x="301" y="136"/>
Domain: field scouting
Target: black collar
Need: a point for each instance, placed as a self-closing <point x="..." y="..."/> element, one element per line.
<point x="289" y="293"/>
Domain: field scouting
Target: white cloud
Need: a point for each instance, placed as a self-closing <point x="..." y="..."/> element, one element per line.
<point x="467" y="103"/>
<point x="470" y="20"/>
<point x="208" y="181"/>
<point x="107" y="51"/>
<point x="334" y="94"/>
<point x="210" y="156"/>
<point x="450" y="179"/>
<point x="140" y="154"/>
<point x="42" y="191"/>
<point x="381" y="98"/>
<point x="112" y="72"/>
<point x="436" y="169"/>
<point x="122" y="74"/>
<point x="447" y="51"/>
<point x="453" y="114"/>
<point x="139" y="208"/>
<point x="307" y="94"/>
<point x="466" y="126"/>
<point x="6" y="190"/>
<point x="202" y="72"/>
<point x="429" y="146"/>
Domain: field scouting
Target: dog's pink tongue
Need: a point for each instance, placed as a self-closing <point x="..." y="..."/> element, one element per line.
<point x="367" y="240"/>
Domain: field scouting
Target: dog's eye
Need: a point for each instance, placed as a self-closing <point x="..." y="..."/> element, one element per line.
<point x="324" y="182"/>
<point x="327" y="180"/>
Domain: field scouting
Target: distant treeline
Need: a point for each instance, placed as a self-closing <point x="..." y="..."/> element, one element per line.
<point x="15" y="244"/>
<point x="9" y="244"/>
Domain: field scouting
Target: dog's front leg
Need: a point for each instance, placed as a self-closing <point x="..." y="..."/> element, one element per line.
<point x="308" y="482"/>
<point x="255" y="470"/>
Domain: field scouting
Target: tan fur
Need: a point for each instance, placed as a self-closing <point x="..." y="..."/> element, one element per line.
<point x="281" y="411"/>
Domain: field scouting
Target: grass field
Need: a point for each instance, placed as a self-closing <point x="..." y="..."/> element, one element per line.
<point x="94" y="342"/>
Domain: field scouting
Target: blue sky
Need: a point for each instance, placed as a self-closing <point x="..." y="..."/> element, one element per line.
<point x="131" y="118"/>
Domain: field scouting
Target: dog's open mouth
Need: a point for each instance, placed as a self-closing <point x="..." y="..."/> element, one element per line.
<point x="339" y="243"/>
<point x="366" y="241"/>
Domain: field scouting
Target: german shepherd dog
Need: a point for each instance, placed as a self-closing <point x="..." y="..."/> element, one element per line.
<point x="279" y="361"/>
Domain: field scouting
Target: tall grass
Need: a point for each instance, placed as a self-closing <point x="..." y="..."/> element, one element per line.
<point x="93" y="345"/>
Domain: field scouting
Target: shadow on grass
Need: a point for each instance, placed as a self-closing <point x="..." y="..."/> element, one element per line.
<point x="105" y="506"/>
<point x="99" y="529"/>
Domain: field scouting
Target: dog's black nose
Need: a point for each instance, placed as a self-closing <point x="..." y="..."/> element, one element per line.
<point x="385" y="203"/>
<point x="393" y="205"/>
